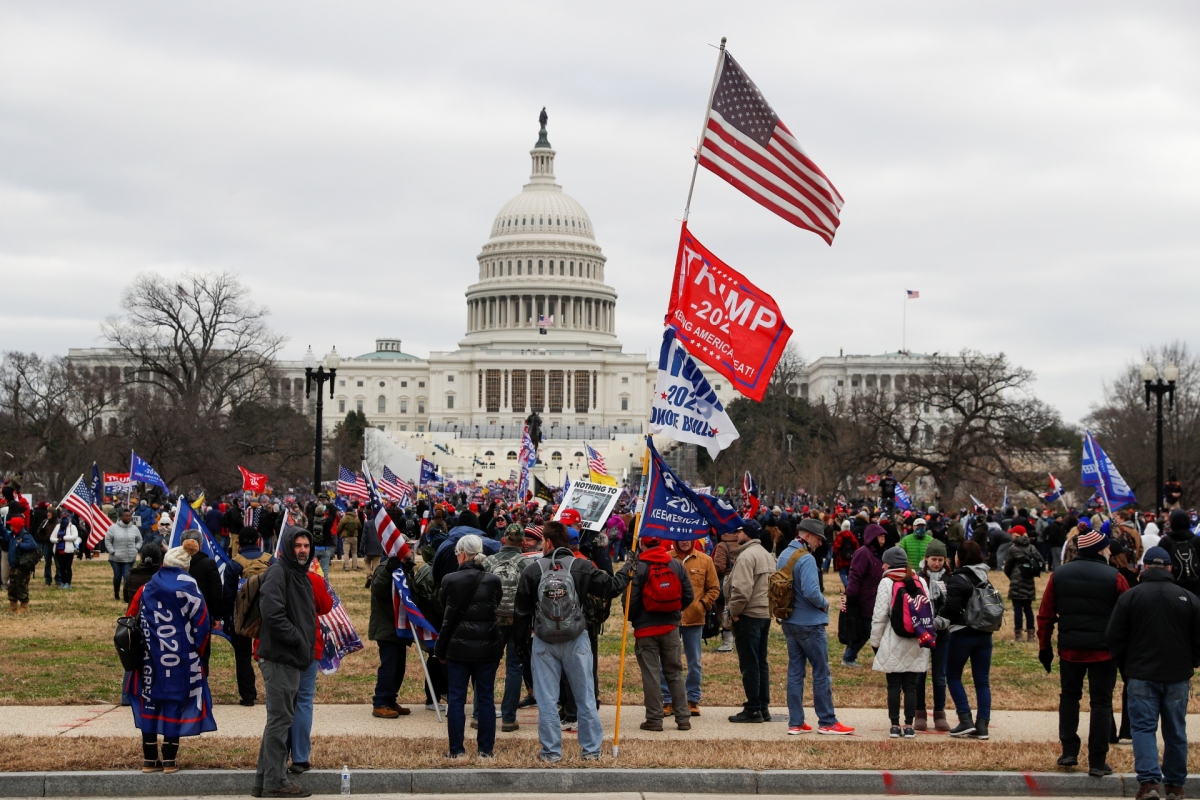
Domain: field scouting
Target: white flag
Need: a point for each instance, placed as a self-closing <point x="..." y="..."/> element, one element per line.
<point x="685" y="406"/>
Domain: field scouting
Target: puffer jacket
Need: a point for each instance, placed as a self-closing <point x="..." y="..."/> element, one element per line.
<point x="123" y="542"/>
<point x="894" y="653"/>
<point x="1019" y="586"/>
<point x="866" y="570"/>
<point x="67" y="536"/>
<point x="469" y="632"/>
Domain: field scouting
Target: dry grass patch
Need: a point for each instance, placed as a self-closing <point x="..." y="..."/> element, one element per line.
<point x="23" y="753"/>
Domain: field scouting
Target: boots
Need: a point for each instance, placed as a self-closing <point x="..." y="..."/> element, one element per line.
<point x="24" y="607"/>
<point x="965" y="726"/>
<point x="939" y="721"/>
<point x="920" y="721"/>
<point x="12" y="606"/>
<point x="1017" y="636"/>
<point x="1029" y="636"/>
<point x="981" y="729"/>
<point x="726" y="642"/>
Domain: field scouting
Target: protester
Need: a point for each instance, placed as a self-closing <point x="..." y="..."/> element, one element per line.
<point x="934" y="572"/>
<point x="169" y="694"/>
<point x="208" y="577"/>
<point x="286" y="649"/>
<point x="724" y="555"/>
<point x="705" y="590"/>
<point x="469" y="644"/>
<point x="64" y="540"/>
<point x="967" y="644"/>
<point x="749" y="610"/>
<point x="252" y="561"/>
<point x="902" y="659"/>
<point x="805" y="633"/>
<point x="1080" y="597"/>
<point x="393" y="650"/>
<point x="23" y="556"/>
<point x="552" y="607"/>
<point x="1184" y="548"/>
<point x="348" y="529"/>
<point x="866" y="571"/>
<point x="914" y="544"/>
<point x="371" y="547"/>
<point x="122" y="541"/>
<point x="507" y="565"/>
<point x="844" y="545"/>
<point x="149" y="562"/>
<point x="1154" y="637"/>
<point x="1022" y="564"/>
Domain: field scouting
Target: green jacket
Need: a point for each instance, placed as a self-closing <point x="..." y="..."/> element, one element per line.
<point x="955" y="532"/>
<point x="915" y="546"/>
<point x="349" y="526"/>
<point x="382" y="627"/>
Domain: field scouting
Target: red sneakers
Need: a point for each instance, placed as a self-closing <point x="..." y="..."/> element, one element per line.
<point x="836" y="729"/>
<point x="796" y="730"/>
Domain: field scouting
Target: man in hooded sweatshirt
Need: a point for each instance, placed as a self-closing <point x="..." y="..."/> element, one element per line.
<point x="1184" y="548"/>
<point x="286" y="648"/>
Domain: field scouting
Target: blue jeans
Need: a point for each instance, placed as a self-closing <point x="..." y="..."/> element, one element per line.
<point x="459" y="675"/>
<point x="48" y="556"/>
<point x="120" y="573"/>
<point x="808" y="644"/>
<point x="514" y="677"/>
<point x="970" y="644"/>
<point x="692" y="637"/>
<point x="392" y="660"/>
<point x="550" y="663"/>
<point x="750" y="639"/>
<point x="1148" y="700"/>
<point x="300" y="734"/>
<point x="844" y="574"/>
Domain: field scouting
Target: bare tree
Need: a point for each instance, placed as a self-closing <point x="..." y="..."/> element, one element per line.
<point x="971" y="418"/>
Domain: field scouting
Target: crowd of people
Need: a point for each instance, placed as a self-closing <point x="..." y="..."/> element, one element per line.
<point x="506" y="582"/>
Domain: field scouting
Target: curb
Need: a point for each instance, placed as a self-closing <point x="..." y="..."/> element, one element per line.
<point x="545" y="781"/>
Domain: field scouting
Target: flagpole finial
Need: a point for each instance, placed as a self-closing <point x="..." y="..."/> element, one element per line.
<point x="723" y="40"/>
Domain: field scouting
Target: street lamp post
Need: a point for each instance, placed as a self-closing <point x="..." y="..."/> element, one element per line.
<point x="314" y="373"/>
<point x="1158" y="387"/>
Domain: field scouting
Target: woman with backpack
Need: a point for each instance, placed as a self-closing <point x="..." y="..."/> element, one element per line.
<point x="968" y="643"/>
<point x="844" y="545"/>
<point x="901" y="656"/>
<point x="1022" y="564"/>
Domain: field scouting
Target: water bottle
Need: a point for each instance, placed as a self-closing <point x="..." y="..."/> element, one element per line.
<point x="346" y="779"/>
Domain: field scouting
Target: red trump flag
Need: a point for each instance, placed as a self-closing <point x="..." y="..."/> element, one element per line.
<point x="724" y="320"/>
<point x="253" y="482"/>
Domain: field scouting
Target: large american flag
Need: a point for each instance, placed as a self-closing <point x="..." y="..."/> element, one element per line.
<point x="398" y="489"/>
<point x="392" y="539"/>
<point x="351" y="485"/>
<point x="79" y="500"/>
<point x="747" y="144"/>
<point x="595" y="461"/>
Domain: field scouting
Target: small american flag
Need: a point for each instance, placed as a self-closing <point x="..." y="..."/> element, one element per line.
<point x="545" y="322"/>
<point x="398" y="489"/>
<point x="337" y="631"/>
<point x="912" y="295"/>
<point x="595" y="461"/>
<point x="351" y="485"/>
<point x="747" y="144"/>
<point x="409" y="619"/>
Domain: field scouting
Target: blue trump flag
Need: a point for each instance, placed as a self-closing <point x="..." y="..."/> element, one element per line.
<point x="1098" y="470"/>
<point x="429" y="472"/>
<point x="902" y="500"/>
<point x="673" y="511"/>
<point x="140" y="470"/>
<point x="186" y="519"/>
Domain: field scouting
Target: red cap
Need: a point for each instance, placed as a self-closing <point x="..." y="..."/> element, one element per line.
<point x="16" y="523"/>
<point x="570" y="517"/>
<point x="1018" y="530"/>
<point x="474" y="507"/>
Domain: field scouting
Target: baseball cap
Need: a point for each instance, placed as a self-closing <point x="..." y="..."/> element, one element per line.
<point x="570" y="517"/>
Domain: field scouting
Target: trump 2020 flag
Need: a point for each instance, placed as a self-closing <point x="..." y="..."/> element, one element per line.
<point x="140" y="470"/>
<point x="685" y="406"/>
<point x="410" y="622"/>
<point x="902" y="500"/>
<point x="673" y="511"/>
<point x="1098" y="470"/>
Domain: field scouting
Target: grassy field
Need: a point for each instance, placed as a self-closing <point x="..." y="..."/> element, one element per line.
<point x="61" y="653"/>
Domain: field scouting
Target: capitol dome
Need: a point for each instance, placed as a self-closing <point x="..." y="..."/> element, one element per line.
<point x="541" y="270"/>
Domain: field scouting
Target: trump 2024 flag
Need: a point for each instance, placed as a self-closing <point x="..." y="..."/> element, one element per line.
<point x="685" y="406"/>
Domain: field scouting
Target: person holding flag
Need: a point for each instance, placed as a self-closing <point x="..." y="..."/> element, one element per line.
<point x="393" y="649"/>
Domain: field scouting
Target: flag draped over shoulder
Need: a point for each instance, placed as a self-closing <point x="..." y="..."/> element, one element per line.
<point x="747" y="144"/>
<point x="673" y="511"/>
<point x="685" y="407"/>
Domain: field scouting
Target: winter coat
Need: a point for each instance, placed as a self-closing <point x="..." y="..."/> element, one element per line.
<point x="369" y="543"/>
<point x="1154" y="631"/>
<point x="747" y="587"/>
<point x="959" y="588"/>
<point x="866" y="570"/>
<point x="382" y="624"/>
<point x="445" y="562"/>
<point x="469" y="632"/>
<point x="289" y="615"/>
<point x="809" y="606"/>
<point x="724" y="554"/>
<point x="639" y="616"/>
<point x="847" y="542"/>
<point x="68" y="536"/>
<point x="894" y="653"/>
<point x="204" y="570"/>
<point x="145" y="518"/>
<point x="123" y="542"/>
<point x="138" y="577"/>
<point x="349" y="526"/>
<point x="1183" y="545"/>
<point x="1019" y="586"/>
<point x="914" y="547"/>
<point x="705" y="586"/>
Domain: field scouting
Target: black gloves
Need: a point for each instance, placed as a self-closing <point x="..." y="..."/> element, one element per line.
<point x="1046" y="657"/>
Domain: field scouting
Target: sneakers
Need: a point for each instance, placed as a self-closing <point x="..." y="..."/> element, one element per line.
<point x="694" y="708"/>
<point x="651" y="725"/>
<point x="1068" y="761"/>
<point x="1148" y="791"/>
<point x="836" y="729"/>
<point x="570" y="724"/>
<point x="299" y="767"/>
<point x="850" y="664"/>
<point x="909" y="733"/>
<point x="1101" y="771"/>
<point x="591" y="756"/>
<point x="796" y="730"/>
<point x="527" y="701"/>
<point x="452" y="755"/>
<point x="746" y="716"/>
<point x="894" y="732"/>
<point x="549" y="759"/>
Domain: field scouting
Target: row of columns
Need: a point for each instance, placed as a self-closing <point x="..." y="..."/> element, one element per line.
<point x="522" y="311"/>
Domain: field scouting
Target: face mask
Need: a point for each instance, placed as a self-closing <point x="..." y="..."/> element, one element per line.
<point x="919" y="533"/>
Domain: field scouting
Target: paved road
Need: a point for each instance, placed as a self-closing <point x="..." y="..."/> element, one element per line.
<point x="343" y="720"/>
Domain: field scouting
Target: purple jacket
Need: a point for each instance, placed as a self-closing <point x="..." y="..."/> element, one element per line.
<point x="866" y="571"/>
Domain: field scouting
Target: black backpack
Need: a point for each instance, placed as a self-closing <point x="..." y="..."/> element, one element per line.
<point x="1185" y="570"/>
<point x="1032" y="566"/>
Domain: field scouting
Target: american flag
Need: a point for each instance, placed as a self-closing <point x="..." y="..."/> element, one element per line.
<point x="595" y="461"/>
<point x="351" y="485"/>
<point x="398" y="489"/>
<point x="392" y="539"/>
<point x="912" y="295"/>
<point x="545" y="322"/>
<point x="80" y="501"/>
<point x="749" y="487"/>
<point x="409" y="619"/>
<point x="337" y="631"/>
<point x="251" y="516"/>
<point x="747" y="144"/>
<point x="99" y="521"/>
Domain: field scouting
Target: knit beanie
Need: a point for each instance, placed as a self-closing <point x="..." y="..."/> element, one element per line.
<point x="181" y="556"/>
<point x="1092" y="542"/>
<point x="895" y="557"/>
<point x="1180" y="520"/>
<point x="935" y="548"/>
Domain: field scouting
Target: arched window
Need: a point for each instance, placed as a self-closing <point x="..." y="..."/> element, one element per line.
<point x="382" y="404"/>
<point x="511" y="455"/>
<point x="510" y="267"/>
<point x="518" y="267"/>
<point x="522" y="220"/>
<point x="578" y="454"/>
<point x="572" y="267"/>
<point x="561" y="268"/>
<point x="540" y="267"/>
<point x="556" y="456"/>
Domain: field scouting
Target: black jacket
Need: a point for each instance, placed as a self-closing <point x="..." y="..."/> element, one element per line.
<point x="1183" y="546"/>
<point x="1085" y="593"/>
<point x="469" y="632"/>
<point x="1154" y="632"/>
<point x="204" y="570"/>
<point x="289" y="613"/>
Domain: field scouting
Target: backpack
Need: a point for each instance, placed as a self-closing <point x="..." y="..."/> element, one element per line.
<point x="662" y="592"/>
<point x="558" y="616"/>
<point x="846" y="551"/>
<point x="912" y="616"/>
<point x="130" y="642"/>
<point x="247" y="618"/>
<point x="1032" y="566"/>
<point x="985" y="608"/>
<point x="781" y="586"/>
<point x="509" y="572"/>
<point x="1183" y="560"/>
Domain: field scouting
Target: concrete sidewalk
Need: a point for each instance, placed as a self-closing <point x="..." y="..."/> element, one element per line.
<point x="342" y="720"/>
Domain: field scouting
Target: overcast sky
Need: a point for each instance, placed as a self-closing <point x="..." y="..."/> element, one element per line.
<point x="1032" y="169"/>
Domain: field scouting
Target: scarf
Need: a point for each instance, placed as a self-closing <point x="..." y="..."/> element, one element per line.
<point x="62" y="535"/>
